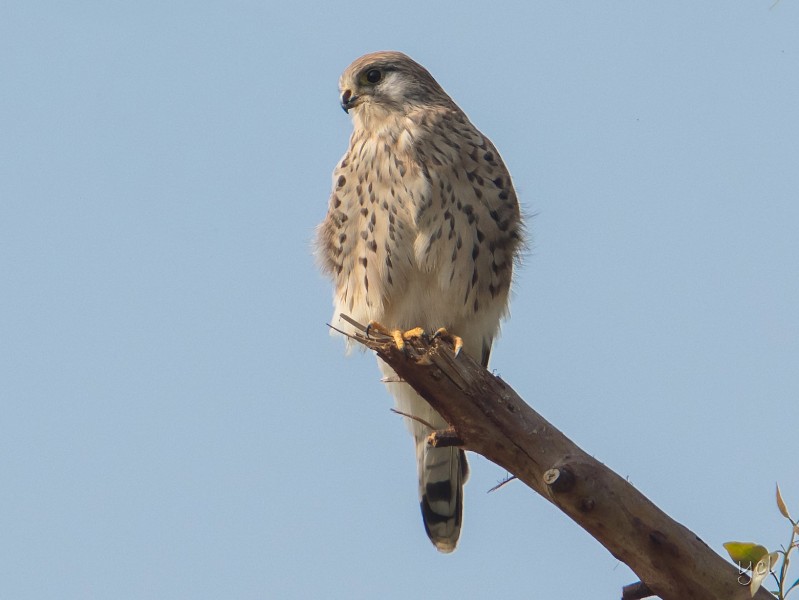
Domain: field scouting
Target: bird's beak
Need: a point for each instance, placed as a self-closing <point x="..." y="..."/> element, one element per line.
<point x="348" y="100"/>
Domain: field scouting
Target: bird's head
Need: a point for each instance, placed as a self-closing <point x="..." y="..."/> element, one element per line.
<point x="383" y="83"/>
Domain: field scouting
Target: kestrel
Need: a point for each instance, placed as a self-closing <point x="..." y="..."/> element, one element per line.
<point x="422" y="230"/>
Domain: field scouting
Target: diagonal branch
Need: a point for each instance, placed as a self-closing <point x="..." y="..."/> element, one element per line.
<point x="489" y="418"/>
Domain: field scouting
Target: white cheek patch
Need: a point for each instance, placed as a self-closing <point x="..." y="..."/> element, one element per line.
<point x="393" y="87"/>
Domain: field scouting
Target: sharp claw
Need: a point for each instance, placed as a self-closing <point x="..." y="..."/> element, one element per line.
<point x="455" y="340"/>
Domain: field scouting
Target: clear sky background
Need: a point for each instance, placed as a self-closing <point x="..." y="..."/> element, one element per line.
<point x="175" y="420"/>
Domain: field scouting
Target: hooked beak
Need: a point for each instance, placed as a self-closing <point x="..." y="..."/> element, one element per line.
<point x="348" y="100"/>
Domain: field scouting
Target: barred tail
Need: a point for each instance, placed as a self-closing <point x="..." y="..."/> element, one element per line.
<point x="442" y="473"/>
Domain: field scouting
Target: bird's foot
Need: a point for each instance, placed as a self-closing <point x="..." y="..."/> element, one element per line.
<point x="455" y="340"/>
<point x="399" y="336"/>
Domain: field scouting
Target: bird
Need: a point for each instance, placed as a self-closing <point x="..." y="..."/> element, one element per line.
<point x="422" y="233"/>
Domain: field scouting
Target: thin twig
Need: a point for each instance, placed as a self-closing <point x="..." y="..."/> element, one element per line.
<point x="353" y="322"/>
<point x="413" y="418"/>
<point x="501" y="483"/>
<point x="344" y="333"/>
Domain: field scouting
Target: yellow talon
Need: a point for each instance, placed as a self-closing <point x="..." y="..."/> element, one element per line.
<point x="398" y="341"/>
<point x="378" y="327"/>
<point x="416" y="332"/>
<point x="455" y="340"/>
<point x="400" y="337"/>
<point x="397" y="335"/>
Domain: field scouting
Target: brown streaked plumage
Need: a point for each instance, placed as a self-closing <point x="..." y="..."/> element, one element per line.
<point x="423" y="228"/>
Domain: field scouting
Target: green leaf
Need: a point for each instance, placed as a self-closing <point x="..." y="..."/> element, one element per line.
<point x="745" y="554"/>
<point x="762" y="570"/>
<point x="781" y="504"/>
<point x="793" y="585"/>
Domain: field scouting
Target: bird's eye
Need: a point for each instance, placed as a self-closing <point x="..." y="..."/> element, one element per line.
<point x="373" y="76"/>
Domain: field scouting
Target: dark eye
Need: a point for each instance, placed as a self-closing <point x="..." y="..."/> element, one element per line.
<point x="373" y="76"/>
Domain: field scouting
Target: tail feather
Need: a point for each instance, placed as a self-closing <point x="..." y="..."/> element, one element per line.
<point x="442" y="473"/>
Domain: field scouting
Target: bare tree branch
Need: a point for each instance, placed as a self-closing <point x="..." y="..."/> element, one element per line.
<point x="488" y="417"/>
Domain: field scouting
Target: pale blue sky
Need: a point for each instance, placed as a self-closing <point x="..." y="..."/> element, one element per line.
<point x="176" y="421"/>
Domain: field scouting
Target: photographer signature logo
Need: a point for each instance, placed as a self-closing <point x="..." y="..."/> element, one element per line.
<point x="762" y="569"/>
